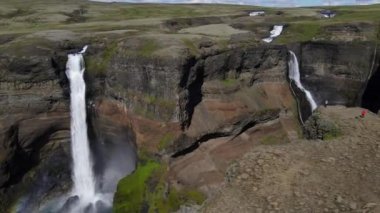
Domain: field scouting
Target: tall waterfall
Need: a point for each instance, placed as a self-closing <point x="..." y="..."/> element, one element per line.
<point x="294" y="74"/>
<point x="83" y="177"/>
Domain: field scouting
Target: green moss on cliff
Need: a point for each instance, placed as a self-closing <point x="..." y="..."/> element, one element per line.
<point x="148" y="47"/>
<point x="319" y="127"/>
<point x="228" y="82"/>
<point x="151" y="106"/>
<point x="190" y="45"/>
<point x="132" y="189"/>
<point x="147" y="190"/>
<point x="165" y="141"/>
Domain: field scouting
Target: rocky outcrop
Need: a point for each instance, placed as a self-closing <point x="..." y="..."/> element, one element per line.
<point x="320" y="127"/>
<point x="148" y="86"/>
<point x="34" y="156"/>
<point x="251" y="65"/>
<point x="112" y="141"/>
<point x="29" y="84"/>
<point x="35" y="126"/>
<point x="185" y="144"/>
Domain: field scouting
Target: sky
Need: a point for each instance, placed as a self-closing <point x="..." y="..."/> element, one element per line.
<point x="271" y="3"/>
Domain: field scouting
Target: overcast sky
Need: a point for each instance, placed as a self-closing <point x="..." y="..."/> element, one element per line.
<point x="272" y="3"/>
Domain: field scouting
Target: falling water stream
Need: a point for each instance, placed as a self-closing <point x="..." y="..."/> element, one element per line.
<point x="277" y="30"/>
<point x="82" y="175"/>
<point x="294" y="75"/>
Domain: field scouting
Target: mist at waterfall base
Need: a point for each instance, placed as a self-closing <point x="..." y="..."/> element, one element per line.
<point x="96" y="167"/>
<point x="295" y="78"/>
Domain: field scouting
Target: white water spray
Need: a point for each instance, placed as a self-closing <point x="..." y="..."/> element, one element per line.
<point x="277" y="30"/>
<point x="83" y="177"/>
<point x="294" y="74"/>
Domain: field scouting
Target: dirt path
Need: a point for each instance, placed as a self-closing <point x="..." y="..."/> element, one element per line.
<point x="340" y="175"/>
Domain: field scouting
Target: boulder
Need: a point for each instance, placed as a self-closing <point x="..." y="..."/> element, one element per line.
<point x="320" y="127"/>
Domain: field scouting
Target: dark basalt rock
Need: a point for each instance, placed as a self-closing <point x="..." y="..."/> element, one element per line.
<point x="35" y="159"/>
<point x="185" y="144"/>
<point x="302" y="102"/>
<point x="69" y="204"/>
<point x="89" y="209"/>
<point x="371" y="96"/>
<point x="34" y="94"/>
<point x="112" y="142"/>
<point x="263" y="62"/>
<point x="34" y="132"/>
<point x="334" y="72"/>
<point x="101" y="207"/>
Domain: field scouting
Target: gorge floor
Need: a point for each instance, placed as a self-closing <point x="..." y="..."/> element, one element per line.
<point x="339" y="175"/>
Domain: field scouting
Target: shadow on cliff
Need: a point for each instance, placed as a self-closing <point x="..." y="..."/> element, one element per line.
<point x="113" y="151"/>
<point x="371" y="96"/>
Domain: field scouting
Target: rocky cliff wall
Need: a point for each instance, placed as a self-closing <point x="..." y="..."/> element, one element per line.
<point x="336" y="72"/>
<point x="35" y="129"/>
<point x="128" y="95"/>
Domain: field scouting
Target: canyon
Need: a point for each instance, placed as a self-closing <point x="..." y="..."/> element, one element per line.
<point x="183" y="110"/>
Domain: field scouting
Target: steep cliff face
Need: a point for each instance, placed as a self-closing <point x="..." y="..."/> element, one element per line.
<point x="167" y="105"/>
<point x="35" y="127"/>
<point x="336" y="72"/>
<point x="234" y="67"/>
<point x="148" y="86"/>
<point x="35" y="130"/>
<point x="371" y="98"/>
<point x="29" y="84"/>
<point x="221" y="89"/>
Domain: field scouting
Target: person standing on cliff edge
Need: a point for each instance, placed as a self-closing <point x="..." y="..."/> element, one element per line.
<point x="364" y="113"/>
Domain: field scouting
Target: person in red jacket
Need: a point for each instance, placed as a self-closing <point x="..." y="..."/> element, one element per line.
<point x="364" y="113"/>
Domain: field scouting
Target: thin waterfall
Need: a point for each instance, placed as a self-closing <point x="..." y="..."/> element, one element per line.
<point x="83" y="176"/>
<point x="294" y="75"/>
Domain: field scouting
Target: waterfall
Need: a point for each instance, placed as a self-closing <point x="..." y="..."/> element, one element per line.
<point x="83" y="177"/>
<point x="277" y="30"/>
<point x="294" y="75"/>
